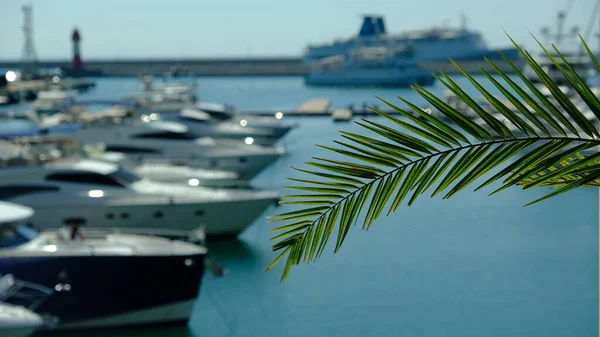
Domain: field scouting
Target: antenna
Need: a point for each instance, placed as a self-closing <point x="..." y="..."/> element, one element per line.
<point x="29" y="57"/>
<point x="463" y="21"/>
<point x="560" y="35"/>
<point x="590" y="25"/>
<point x="560" y="25"/>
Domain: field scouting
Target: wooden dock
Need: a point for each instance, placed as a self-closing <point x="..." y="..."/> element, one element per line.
<point x="315" y="106"/>
<point x="319" y="107"/>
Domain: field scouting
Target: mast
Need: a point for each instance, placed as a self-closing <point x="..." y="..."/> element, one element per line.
<point x="463" y="21"/>
<point x="29" y="57"/>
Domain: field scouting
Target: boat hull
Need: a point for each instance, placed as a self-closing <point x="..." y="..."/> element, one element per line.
<point x="217" y="218"/>
<point x="146" y="142"/>
<point x="146" y="289"/>
<point x="183" y="175"/>
<point x="247" y="166"/>
<point x="17" y="331"/>
<point x="273" y="125"/>
<point x="237" y="130"/>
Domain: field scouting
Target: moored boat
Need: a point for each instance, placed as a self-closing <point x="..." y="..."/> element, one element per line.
<point x="102" y="279"/>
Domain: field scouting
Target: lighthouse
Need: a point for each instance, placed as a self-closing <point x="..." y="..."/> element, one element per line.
<point x="77" y="69"/>
<point x="76" y="51"/>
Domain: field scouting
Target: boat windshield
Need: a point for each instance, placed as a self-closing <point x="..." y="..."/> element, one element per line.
<point x="124" y="177"/>
<point x="16" y="235"/>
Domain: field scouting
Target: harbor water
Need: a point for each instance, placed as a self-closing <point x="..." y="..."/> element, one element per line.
<point x="472" y="265"/>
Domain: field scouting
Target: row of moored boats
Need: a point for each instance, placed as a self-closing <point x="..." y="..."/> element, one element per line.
<point x="104" y="214"/>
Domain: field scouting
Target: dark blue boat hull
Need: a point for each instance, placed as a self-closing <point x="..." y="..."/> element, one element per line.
<point x="99" y="287"/>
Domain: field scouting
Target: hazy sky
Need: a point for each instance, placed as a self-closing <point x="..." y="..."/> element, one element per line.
<point x="177" y="28"/>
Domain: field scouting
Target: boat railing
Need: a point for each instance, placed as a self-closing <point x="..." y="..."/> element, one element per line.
<point x="328" y="63"/>
<point x="196" y="236"/>
<point x="34" y="151"/>
<point x="23" y="293"/>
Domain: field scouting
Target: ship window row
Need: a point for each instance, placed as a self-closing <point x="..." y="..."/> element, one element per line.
<point x="131" y="150"/>
<point x="165" y="135"/>
<point x="117" y="178"/>
<point x="11" y="191"/>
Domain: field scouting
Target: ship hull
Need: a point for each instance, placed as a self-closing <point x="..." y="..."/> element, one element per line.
<point x="474" y="63"/>
<point x="367" y="78"/>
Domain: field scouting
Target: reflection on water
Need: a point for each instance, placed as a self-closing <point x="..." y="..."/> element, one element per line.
<point x="232" y="249"/>
<point x="165" y="331"/>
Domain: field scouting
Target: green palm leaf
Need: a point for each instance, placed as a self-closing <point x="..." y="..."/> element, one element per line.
<point x="538" y="141"/>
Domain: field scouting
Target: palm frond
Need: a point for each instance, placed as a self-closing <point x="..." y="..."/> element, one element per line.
<point x="524" y="138"/>
<point x="563" y="178"/>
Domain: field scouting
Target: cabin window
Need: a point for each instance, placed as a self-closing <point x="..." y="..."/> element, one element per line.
<point x="218" y="115"/>
<point x="84" y="178"/>
<point x="165" y="135"/>
<point x="192" y="119"/>
<point x="124" y="177"/>
<point x="11" y="191"/>
<point x="14" y="236"/>
<point x="128" y="149"/>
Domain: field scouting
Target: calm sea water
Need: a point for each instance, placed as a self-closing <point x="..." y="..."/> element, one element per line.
<point x="469" y="266"/>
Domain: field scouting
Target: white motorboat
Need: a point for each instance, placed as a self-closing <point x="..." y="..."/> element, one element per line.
<point x="165" y="97"/>
<point x="172" y="98"/>
<point x="53" y="101"/>
<point x="163" y="170"/>
<point x="151" y="140"/>
<point x="101" y="279"/>
<point x="203" y="124"/>
<point x="103" y="195"/>
<point x="274" y="124"/>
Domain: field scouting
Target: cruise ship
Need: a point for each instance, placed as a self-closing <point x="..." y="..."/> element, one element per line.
<point x="369" y="66"/>
<point x="432" y="47"/>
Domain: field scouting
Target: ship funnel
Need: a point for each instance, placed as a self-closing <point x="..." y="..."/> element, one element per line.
<point x="372" y="25"/>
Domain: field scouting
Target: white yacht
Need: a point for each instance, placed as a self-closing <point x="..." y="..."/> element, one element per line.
<point x="53" y="101"/>
<point x="101" y="279"/>
<point x="163" y="170"/>
<point x="203" y="124"/>
<point x="274" y="123"/>
<point x="169" y="99"/>
<point x="103" y="195"/>
<point x="164" y="97"/>
<point x="152" y="140"/>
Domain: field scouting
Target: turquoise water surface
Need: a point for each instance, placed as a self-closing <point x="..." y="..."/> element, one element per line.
<point x="469" y="266"/>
